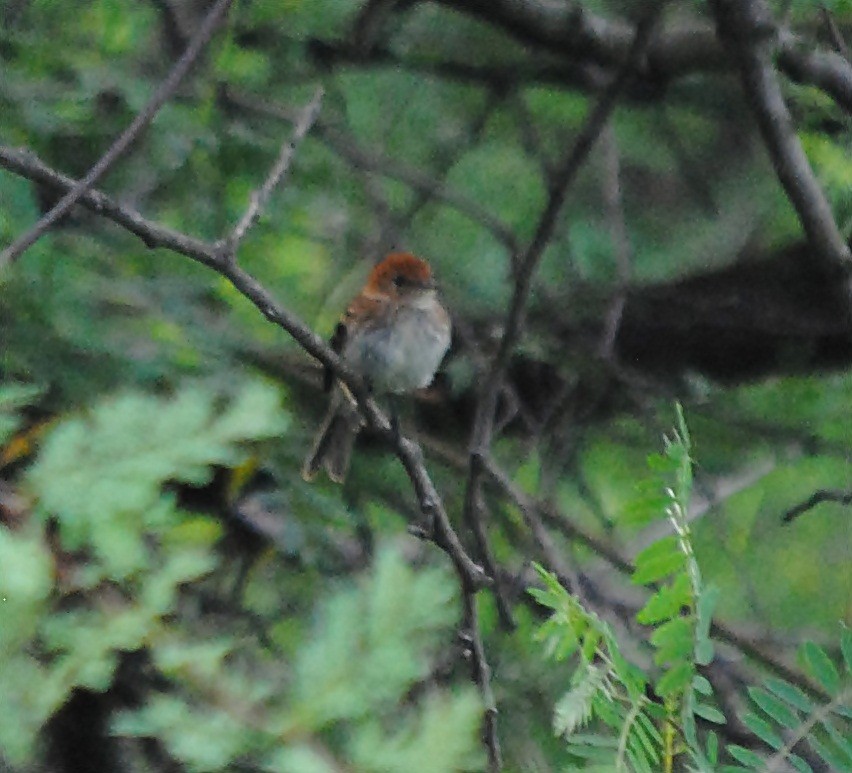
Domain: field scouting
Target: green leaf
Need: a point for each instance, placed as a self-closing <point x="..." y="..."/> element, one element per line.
<point x="710" y="713"/>
<point x="790" y="693"/>
<point x="707" y="601"/>
<point x="821" y="667"/>
<point x="704" y="652"/>
<point x="675" y="681"/>
<point x="836" y="760"/>
<point x="574" y="708"/>
<point x="762" y="729"/>
<point x="846" y="647"/>
<point x="746" y="756"/>
<point x="843" y="741"/>
<point x="658" y="560"/>
<point x="667" y="602"/>
<point x="774" y="707"/>
<point x="712" y="747"/>
<point x="799" y="764"/>
<point x="673" y="640"/>
<point x="101" y="474"/>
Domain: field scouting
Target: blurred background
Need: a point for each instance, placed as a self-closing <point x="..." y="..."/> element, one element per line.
<point x="174" y="595"/>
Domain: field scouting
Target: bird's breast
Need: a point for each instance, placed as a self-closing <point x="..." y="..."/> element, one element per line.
<point x="404" y="353"/>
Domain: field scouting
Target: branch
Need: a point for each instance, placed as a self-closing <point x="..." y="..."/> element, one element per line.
<point x="817" y="498"/>
<point x="745" y="28"/>
<point x="572" y="32"/>
<point x="128" y="136"/>
<point x="525" y="265"/>
<point x="482" y="677"/>
<point x="153" y="235"/>
<point x="361" y="157"/>
<point x="260" y="197"/>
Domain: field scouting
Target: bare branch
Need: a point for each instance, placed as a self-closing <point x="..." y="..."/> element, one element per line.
<point x="574" y="33"/>
<point x="365" y="158"/>
<point x="834" y="32"/>
<point x="745" y="27"/>
<point x="524" y="267"/>
<point x="482" y="676"/>
<point x="527" y="263"/>
<point x="614" y="205"/>
<point x="153" y="235"/>
<point x="128" y="136"/>
<point x="817" y="498"/>
<point x="260" y="197"/>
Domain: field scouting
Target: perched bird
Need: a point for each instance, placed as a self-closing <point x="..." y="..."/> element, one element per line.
<point x="394" y="334"/>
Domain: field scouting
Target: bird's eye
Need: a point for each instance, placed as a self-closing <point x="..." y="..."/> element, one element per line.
<point x="399" y="280"/>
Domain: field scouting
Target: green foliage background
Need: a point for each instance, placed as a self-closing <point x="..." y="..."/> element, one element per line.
<point x="157" y="545"/>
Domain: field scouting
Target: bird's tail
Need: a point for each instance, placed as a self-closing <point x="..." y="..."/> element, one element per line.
<point x="332" y="448"/>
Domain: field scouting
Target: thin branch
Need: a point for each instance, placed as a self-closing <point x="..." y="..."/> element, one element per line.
<point x="474" y="512"/>
<point x="817" y="498"/>
<point x="745" y="27"/>
<point x="614" y="207"/>
<point x="260" y="197"/>
<point x="482" y="677"/>
<point x="544" y="541"/>
<point x="362" y="157"/>
<point x="525" y="265"/>
<point x="128" y="136"/>
<point x="835" y="34"/>
<point x="153" y="235"/>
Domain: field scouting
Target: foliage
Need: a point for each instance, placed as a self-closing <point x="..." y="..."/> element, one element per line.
<point x="160" y="555"/>
<point x="100" y="476"/>
<point x="606" y="687"/>
<point x="784" y="717"/>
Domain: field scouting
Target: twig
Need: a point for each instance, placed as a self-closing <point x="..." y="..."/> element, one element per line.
<point x="530" y="513"/>
<point x="836" y="35"/>
<point x="745" y="27"/>
<point x="482" y="677"/>
<point x="153" y="235"/>
<point x="361" y="157"/>
<point x="140" y="122"/>
<point x="818" y="497"/>
<point x="260" y="197"/>
<point x="486" y="556"/>
<point x="614" y="206"/>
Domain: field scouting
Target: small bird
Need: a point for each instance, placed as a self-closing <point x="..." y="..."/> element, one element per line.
<point x="394" y="334"/>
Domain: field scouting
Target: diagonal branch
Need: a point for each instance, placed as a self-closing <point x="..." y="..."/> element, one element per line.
<point x="525" y="265"/>
<point x="817" y="498"/>
<point x="153" y="235"/>
<point x="128" y="136"/>
<point x="259" y="198"/>
<point x="745" y="27"/>
<point x="361" y="157"/>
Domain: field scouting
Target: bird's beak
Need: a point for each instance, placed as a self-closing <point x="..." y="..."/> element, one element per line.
<point x="430" y="284"/>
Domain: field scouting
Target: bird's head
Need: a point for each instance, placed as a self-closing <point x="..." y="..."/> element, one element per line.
<point x="401" y="276"/>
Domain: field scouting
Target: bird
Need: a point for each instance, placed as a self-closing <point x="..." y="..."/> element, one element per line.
<point x="394" y="334"/>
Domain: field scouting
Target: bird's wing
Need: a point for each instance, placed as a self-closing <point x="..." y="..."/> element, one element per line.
<point x="362" y="313"/>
